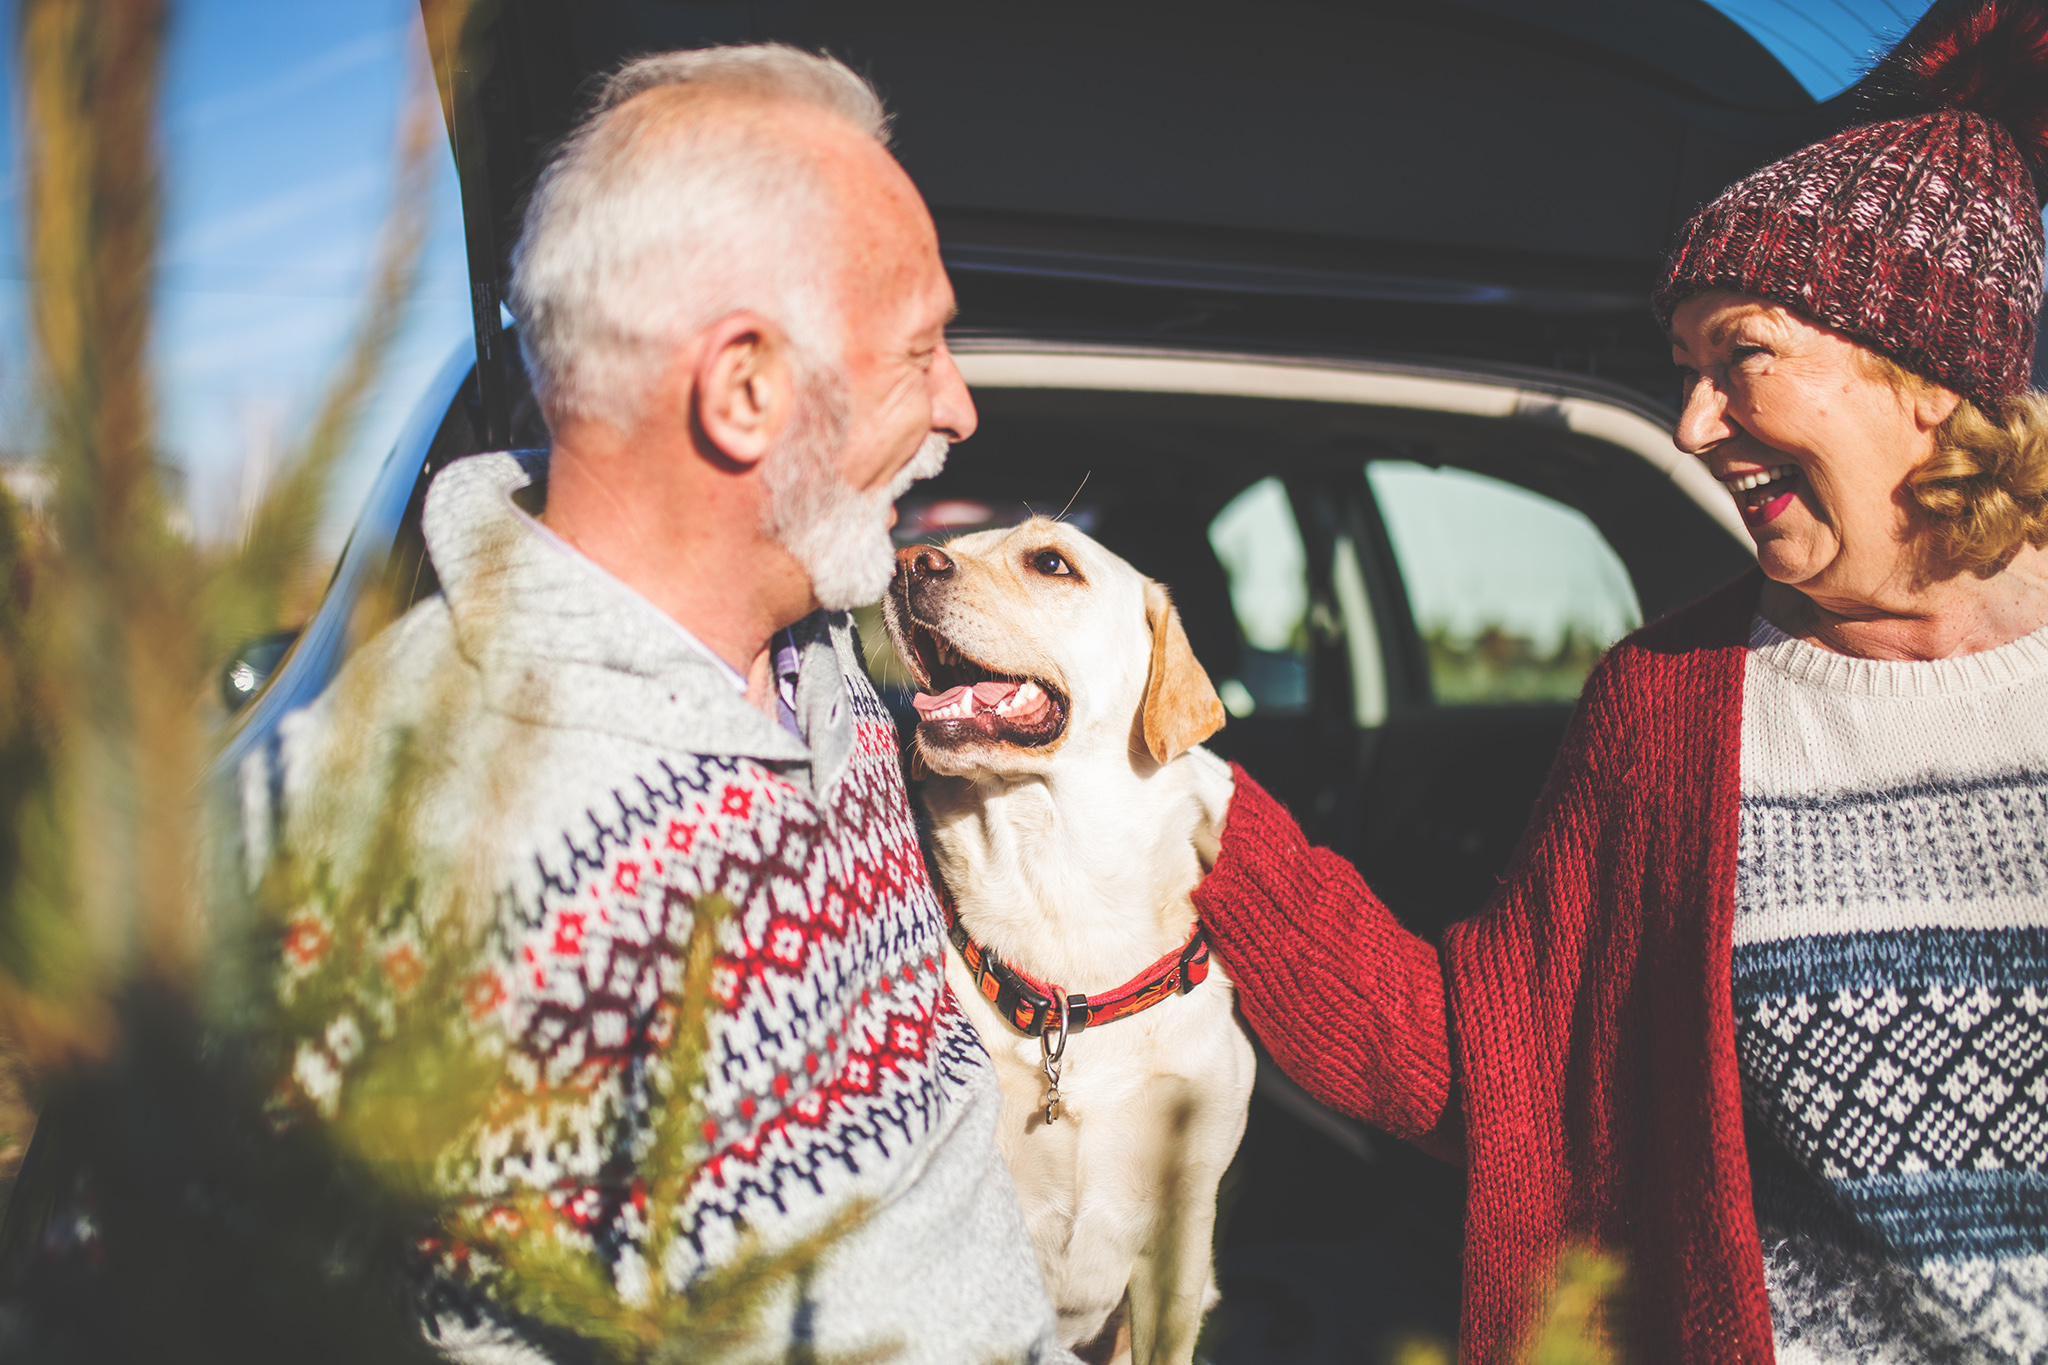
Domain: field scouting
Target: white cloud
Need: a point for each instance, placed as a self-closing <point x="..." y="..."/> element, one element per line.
<point x="280" y="210"/>
<point x="368" y="50"/>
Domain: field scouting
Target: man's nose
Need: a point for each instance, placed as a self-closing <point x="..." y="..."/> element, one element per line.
<point x="918" y="563"/>
<point x="952" y="406"/>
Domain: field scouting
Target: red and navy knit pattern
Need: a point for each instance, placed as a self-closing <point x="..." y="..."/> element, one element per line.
<point x="835" y="1045"/>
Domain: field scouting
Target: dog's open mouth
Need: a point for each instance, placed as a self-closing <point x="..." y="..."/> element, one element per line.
<point x="968" y="702"/>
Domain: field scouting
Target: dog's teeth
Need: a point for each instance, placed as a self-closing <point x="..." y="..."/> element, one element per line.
<point x="1024" y="696"/>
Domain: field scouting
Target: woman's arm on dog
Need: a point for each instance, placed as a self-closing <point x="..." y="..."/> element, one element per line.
<point x="1349" y="1003"/>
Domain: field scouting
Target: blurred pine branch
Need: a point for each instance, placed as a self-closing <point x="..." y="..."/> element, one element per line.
<point x="227" y="1222"/>
<point x="1580" y="1318"/>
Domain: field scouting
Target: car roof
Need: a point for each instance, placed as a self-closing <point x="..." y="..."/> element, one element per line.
<point x="1532" y="156"/>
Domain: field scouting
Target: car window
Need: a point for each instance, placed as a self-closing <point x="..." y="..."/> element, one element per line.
<point x="1515" y="595"/>
<point x="1259" y="545"/>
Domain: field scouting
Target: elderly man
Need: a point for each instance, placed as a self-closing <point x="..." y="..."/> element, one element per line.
<point x="639" y="686"/>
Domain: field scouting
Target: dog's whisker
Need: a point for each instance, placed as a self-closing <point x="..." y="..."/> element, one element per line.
<point x="1077" y="493"/>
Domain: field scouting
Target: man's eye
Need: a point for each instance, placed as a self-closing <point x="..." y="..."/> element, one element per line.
<point x="1051" y="564"/>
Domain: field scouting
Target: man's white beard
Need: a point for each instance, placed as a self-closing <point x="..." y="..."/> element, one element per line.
<point x="839" y="534"/>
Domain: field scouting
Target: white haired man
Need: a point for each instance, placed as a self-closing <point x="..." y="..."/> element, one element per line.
<point x="732" y="307"/>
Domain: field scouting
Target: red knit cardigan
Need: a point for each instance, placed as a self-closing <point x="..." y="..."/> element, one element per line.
<point x="1583" y="1020"/>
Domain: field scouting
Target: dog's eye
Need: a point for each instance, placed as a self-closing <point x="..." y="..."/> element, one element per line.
<point x="1052" y="564"/>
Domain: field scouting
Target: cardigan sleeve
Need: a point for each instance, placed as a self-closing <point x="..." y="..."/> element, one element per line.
<point x="1597" y="1096"/>
<point x="1349" y="1002"/>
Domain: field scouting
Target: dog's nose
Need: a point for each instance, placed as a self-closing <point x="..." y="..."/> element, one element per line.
<point x="919" y="562"/>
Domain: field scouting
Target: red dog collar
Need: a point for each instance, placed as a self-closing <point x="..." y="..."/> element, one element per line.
<point x="1033" y="1006"/>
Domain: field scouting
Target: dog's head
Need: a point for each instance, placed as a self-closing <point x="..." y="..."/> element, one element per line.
<point x="1025" y="641"/>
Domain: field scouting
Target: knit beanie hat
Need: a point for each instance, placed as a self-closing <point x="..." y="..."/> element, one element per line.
<point x="1919" y="236"/>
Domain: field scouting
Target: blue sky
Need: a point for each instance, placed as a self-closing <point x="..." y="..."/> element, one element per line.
<point x="279" y="131"/>
<point x="1825" y="44"/>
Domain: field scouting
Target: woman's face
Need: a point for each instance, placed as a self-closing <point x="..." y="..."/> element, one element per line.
<point x="1811" y="441"/>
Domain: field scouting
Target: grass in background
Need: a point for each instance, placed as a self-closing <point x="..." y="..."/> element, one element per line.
<point x="1498" y="666"/>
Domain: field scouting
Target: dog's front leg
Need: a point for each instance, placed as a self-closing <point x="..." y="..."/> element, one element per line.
<point x="1173" y="1281"/>
<point x="1173" y="1284"/>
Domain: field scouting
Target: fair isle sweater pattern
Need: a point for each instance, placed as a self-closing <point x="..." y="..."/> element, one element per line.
<point x="837" y="1037"/>
<point x="837" y="1040"/>
<point x="839" y="1067"/>
<point x="1890" y="974"/>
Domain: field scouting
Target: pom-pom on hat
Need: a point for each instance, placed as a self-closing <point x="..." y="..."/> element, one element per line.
<point x="1919" y="236"/>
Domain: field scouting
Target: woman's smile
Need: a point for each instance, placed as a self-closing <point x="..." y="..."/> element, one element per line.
<point x="1809" y="441"/>
<point x="1763" y="493"/>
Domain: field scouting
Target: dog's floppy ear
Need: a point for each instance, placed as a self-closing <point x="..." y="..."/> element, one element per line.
<point x="1181" y="708"/>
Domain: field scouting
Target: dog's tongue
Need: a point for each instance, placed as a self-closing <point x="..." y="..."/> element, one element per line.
<point x="987" y="696"/>
<point x="926" y="703"/>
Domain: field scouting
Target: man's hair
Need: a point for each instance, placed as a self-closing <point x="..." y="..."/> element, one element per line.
<point x="648" y="225"/>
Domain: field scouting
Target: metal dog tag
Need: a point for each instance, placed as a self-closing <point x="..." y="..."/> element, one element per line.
<point x="1049" y="1055"/>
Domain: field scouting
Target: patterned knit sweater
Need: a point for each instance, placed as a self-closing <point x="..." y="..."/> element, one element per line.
<point x="1890" y="977"/>
<point x="579" y="772"/>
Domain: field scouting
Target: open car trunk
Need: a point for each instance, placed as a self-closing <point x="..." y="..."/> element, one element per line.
<point x="1493" y="179"/>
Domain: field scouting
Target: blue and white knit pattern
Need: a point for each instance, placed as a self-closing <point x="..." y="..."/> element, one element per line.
<point x="1891" y="998"/>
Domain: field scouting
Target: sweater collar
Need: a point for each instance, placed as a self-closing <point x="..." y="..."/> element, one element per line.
<point x="559" y="642"/>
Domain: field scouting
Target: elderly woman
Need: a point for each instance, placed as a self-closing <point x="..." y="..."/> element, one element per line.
<point x="1762" y="1002"/>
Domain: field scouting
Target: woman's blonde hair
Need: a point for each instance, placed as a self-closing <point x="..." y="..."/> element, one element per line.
<point x="1985" y="489"/>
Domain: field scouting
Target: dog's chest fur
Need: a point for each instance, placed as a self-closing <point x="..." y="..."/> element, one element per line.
<point x="1084" y="882"/>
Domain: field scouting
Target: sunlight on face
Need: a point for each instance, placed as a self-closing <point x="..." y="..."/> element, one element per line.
<point x="1813" y="445"/>
<point x="902" y="385"/>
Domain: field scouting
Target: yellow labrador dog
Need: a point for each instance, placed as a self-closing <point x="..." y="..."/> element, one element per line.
<point x="1071" y="815"/>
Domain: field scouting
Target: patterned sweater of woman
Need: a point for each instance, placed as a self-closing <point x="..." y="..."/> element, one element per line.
<point x="1890" y="964"/>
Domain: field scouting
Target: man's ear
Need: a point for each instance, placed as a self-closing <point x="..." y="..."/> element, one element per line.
<point x="1181" y="708"/>
<point x="742" y="387"/>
